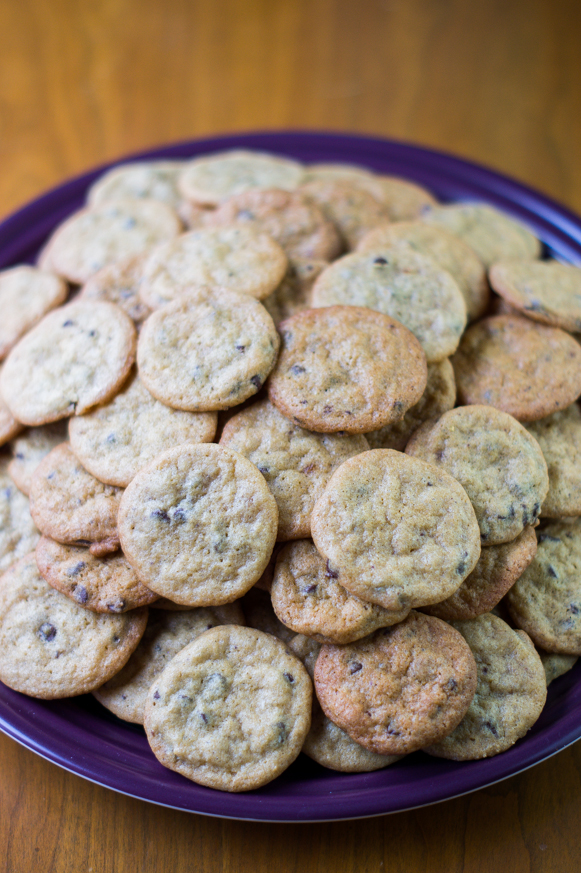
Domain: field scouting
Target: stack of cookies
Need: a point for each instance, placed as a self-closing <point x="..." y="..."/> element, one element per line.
<point x="292" y="463"/>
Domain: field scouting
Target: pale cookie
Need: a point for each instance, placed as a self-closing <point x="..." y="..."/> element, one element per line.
<point x="294" y="221"/>
<point x="399" y="689"/>
<point x="259" y="614"/>
<point x="296" y="463"/>
<point x="450" y="252"/>
<point x="345" y="368"/>
<point x="207" y="355"/>
<point x="165" y="635"/>
<point x="546" y="600"/>
<point x="526" y="369"/>
<point x="30" y="448"/>
<point x="545" y="291"/>
<point x="52" y="648"/>
<point x="153" y="180"/>
<point x="397" y="532"/>
<point x="492" y="234"/>
<point x="107" y="233"/>
<point x="114" y="441"/>
<point x="119" y="283"/>
<point x="26" y="294"/>
<point x="497" y="570"/>
<point x="438" y="397"/>
<point x="510" y="693"/>
<point x="198" y="524"/>
<point x="403" y="199"/>
<point x="353" y="210"/>
<point x="70" y="505"/>
<point x="556" y="665"/>
<point x="211" y="179"/>
<point x="9" y="426"/>
<point x="307" y="598"/>
<point x="407" y="286"/>
<point x="77" y="356"/>
<point x="231" y="710"/>
<point x="495" y="459"/>
<point x="335" y="171"/>
<point x="106" y="584"/>
<point x="237" y="258"/>
<point x="294" y="292"/>
<point x="18" y="533"/>
<point x="559" y="436"/>
<point x="325" y="742"/>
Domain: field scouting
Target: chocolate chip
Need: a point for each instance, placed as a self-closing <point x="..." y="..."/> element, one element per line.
<point x="297" y="369"/>
<point x="381" y="261"/>
<point x="160" y="513"/>
<point x="204" y="717"/>
<point x="327" y="410"/>
<point x="156" y="695"/>
<point x="289" y="677"/>
<point x="544" y="536"/>
<point x="179" y="516"/>
<point x="461" y="568"/>
<point x="573" y="609"/>
<point x="257" y="382"/>
<point x="308" y="469"/>
<point x="111" y="438"/>
<point x="80" y="594"/>
<point x="240" y="348"/>
<point x="47" y="631"/>
<point x="68" y="323"/>
<point x="263" y="470"/>
<point x="83" y="543"/>
<point x="245" y="215"/>
<point x="332" y="574"/>
<point x="451" y="684"/>
<point x="116" y="606"/>
<point x="491" y="728"/>
<point x="74" y="571"/>
<point x="551" y="572"/>
<point x="282" y="731"/>
<point x="310" y="589"/>
<point x="355" y="667"/>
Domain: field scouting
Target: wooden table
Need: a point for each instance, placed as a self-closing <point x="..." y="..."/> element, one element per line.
<point x="81" y="83"/>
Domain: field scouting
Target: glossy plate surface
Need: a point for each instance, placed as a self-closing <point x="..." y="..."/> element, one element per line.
<point x="84" y="738"/>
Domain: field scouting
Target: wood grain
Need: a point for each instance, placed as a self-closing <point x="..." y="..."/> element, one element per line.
<point x="83" y="83"/>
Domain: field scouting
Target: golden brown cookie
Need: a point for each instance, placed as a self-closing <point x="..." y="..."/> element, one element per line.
<point x="528" y="370"/>
<point x="296" y="463"/>
<point x="353" y="210"/>
<point x="400" y="689"/>
<point x="546" y="291"/>
<point x="345" y="368"/>
<point x="495" y="459"/>
<point x="396" y="531"/>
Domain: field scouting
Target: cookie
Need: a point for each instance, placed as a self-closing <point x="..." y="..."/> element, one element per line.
<point x="152" y="180"/>
<point x="546" y="291"/>
<point x="165" y="635"/>
<point x="296" y="463"/>
<point x="559" y="436"/>
<point x="497" y="570"/>
<point x="107" y="584"/>
<point x="207" y="355"/>
<point x="546" y="600"/>
<point x="335" y="171"/>
<point x="556" y="665"/>
<point x="211" y="179"/>
<point x="9" y="426"/>
<point x="448" y="251"/>
<point x="325" y="742"/>
<point x="294" y="292"/>
<point x="403" y="199"/>
<point x="231" y="710"/>
<point x="114" y="441"/>
<point x="106" y="233"/>
<point x="30" y="448"/>
<point x="406" y="286"/>
<point x="400" y="689"/>
<point x="352" y="209"/>
<point x="77" y="356"/>
<point x="71" y="506"/>
<point x="497" y="462"/>
<point x="492" y="234"/>
<point x="238" y="258"/>
<point x="52" y="648"/>
<point x="307" y="598"/>
<point x="439" y="396"/>
<point x="18" y="532"/>
<point x="294" y="221"/>
<point x="510" y="693"/>
<point x="119" y="283"/>
<point x="528" y="370"/>
<point x="26" y="294"/>
<point x="396" y="531"/>
<point x="345" y="368"/>
<point x="198" y="524"/>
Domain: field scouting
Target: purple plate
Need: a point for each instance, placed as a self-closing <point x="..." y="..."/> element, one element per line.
<point x="81" y="736"/>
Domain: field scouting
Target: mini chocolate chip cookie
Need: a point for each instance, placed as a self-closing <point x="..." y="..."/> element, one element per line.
<point x="9" y="426"/>
<point x="345" y="368"/>
<point x="211" y="179"/>
<point x="353" y="210"/>
<point x="510" y="693"/>
<point x="198" y="524"/>
<point x="30" y="448"/>
<point x="559" y="436"/>
<point x="296" y="463"/>
<point x="18" y="532"/>
<point x="395" y="530"/>
<point x="76" y="357"/>
<point x="231" y="710"/>
<point x="400" y="689"/>
<point x="546" y="291"/>
<point x="528" y="370"/>
<point x="52" y="648"/>
<point x="496" y="460"/>
<point x="26" y="294"/>
<point x="209" y="354"/>
<point x="119" y="283"/>
<point x="152" y="180"/>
